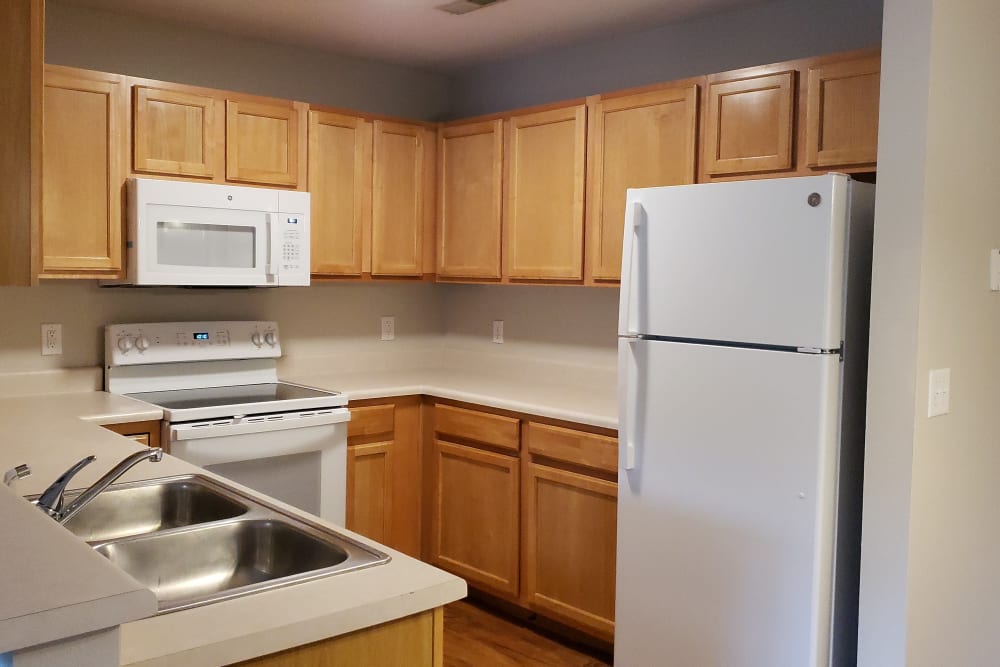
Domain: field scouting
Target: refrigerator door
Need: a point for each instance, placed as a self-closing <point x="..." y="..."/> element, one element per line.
<point x="726" y="517"/>
<point x="747" y="261"/>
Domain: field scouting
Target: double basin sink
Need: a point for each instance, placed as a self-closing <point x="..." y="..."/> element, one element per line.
<point x="193" y="540"/>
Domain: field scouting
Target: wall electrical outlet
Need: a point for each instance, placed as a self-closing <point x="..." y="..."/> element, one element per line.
<point x="939" y="392"/>
<point x="388" y="328"/>
<point x="51" y="339"/>
<point x="497" y="331"/>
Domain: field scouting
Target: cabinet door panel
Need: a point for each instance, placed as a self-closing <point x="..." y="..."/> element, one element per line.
<point x="369" y="490"/>
<point x="749" y="123"/>
<point x="475" y="522"/>
<point x="262" y="143"/>
<point x="401" y="166"/>
<point x="842" y="113"/>
<point x="470" y="185"/>
<point x="174" y="133"/>
<point x="545" y="186"/>
<point x="570" y="539"/>
<point x="340" y="163"/>
<point x="639" y="141"/>
<point x="82" y="175"/>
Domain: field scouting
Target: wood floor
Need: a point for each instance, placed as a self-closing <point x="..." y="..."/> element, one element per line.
<point x="474" y="637"/>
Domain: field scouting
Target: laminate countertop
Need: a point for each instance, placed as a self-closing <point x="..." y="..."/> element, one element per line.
<point x="589" y="403"/>
<point x="55" y="586"/>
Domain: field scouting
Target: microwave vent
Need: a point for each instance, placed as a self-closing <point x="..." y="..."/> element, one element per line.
<point x="459" y="7"/>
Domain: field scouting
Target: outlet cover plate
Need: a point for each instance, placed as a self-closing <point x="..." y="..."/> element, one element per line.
<point x="389" y="328"/>
<point x="51" y="339"/>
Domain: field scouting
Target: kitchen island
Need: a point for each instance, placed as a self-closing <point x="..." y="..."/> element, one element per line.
<point x="70" y="591"/>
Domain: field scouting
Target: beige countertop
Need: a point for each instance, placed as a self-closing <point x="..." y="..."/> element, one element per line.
<point x="71" y="589"/>
<point x="583" y="403"/>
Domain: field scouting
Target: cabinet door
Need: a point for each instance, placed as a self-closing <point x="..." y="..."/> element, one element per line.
<point x="569" y="551"/>
<point x="842" y="113"/>
<point x="748" y="124"/>
<point x="262" y="143"/>
<point x="402" y="164"/>
<point x="475" y="516"/>
<point x="545" y="189"/>
<point x="369" y="490"/>
<point x="638" y="141"/>
<point x="470" y="183"/>
<point x="83" y="143"/>
<point x="174" y="133"/>
<point x="340" y="172"/>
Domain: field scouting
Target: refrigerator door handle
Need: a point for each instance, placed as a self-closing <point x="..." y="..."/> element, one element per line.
<point x="628" y="408"/>
<point x="631" y="253"/>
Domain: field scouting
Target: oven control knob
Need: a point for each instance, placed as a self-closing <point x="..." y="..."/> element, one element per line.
<point x="125" y="344"/>
<point x="255" y="338"/>
<point x="270" y="338"/>
<point x="141" y="343"/>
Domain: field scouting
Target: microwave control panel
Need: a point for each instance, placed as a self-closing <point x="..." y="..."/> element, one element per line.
<point x="166" y="342"/>
<point x="291" y="239"/>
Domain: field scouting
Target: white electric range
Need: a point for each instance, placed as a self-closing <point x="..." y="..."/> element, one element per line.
<point x="225" y="409"/>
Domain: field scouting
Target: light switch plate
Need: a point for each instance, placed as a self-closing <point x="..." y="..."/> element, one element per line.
<point x="497" y="331"/>
<point x="995" y="270"/>
<point x="388" y="328"/>
<point x="939" y="392"/>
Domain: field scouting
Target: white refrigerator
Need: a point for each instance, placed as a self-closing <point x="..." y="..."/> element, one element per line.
<point x="743" y="334"/>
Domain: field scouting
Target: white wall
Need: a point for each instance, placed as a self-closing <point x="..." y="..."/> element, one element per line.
<point x="85" y="37"/>
<point x="932" y="485"/>
<point x="763" y="32"/>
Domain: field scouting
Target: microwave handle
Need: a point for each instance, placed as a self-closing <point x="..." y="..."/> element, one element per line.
<point x="271" y="268"/>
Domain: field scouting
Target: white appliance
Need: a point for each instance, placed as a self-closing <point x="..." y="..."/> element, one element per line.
<point x="208" y="234"/>
<point x="743" y="335"/>
<point x="225" y="409"/>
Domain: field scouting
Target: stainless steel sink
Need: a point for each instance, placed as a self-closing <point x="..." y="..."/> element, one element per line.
<point x="145" y="507"/>
<point x="193" y="540"/>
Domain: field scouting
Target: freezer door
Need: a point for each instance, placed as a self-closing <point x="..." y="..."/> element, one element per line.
<point x="747" y="261"/>
<point x="726" y="517"/>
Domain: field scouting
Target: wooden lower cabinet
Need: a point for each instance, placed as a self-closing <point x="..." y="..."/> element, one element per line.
<point x="414" y="641"/>
<point x="475" y="516"/>
<point x="568" y="566"/>
<point x="145" y="432"/>
<point x="383" y="472"/>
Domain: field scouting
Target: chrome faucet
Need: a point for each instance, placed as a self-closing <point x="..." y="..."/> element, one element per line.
<point x="51" y="500"/>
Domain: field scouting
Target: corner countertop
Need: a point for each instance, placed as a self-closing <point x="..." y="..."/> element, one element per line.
<point x="55" y="586"/>
<point x="594" y="404"/>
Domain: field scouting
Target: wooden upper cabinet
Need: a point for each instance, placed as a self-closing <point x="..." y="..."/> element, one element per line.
<point x="470" y="183"/>
<point x="749" y="124"/>
<point x="174" y="133"/>
<point x="83" y="146"/>
<point x="262" y="142"/>
<point x="402" y="201"/>
<point x="340" y="175"/>
<point x="545" y="190"/>
<point x="842" y="113"/>
<point x="637" y="141"/>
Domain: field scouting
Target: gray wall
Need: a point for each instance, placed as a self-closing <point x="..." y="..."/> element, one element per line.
<point x="760" y="34"/>
<point x="93" y="39"/>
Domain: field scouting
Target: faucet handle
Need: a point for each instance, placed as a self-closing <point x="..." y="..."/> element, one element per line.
<point x="16" y="473"/>
<point x="51" y="499"/>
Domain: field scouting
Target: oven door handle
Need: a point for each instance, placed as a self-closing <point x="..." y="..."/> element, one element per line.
<point x="257" y="424"/>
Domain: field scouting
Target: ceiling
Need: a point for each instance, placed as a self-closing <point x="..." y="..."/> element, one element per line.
<point x="413" y="32"/>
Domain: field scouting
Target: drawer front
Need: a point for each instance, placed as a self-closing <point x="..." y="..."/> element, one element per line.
<point x="483" y="427"/>
<point x="577" y="447"/>
<point x="371" y="420"/>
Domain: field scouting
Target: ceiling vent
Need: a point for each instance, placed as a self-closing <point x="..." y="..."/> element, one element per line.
<point x="465" y="6"/>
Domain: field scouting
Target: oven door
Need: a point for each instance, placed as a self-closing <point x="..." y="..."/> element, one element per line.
<point x="299" y="458"/>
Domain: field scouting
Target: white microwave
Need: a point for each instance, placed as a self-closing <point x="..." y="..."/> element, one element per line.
<point x="208" y="234"/>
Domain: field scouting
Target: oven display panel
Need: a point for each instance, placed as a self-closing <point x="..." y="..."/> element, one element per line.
<point x="199" y="335"/>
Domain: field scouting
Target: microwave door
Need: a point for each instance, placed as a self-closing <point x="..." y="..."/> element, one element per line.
<point x="199" y="246"/>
